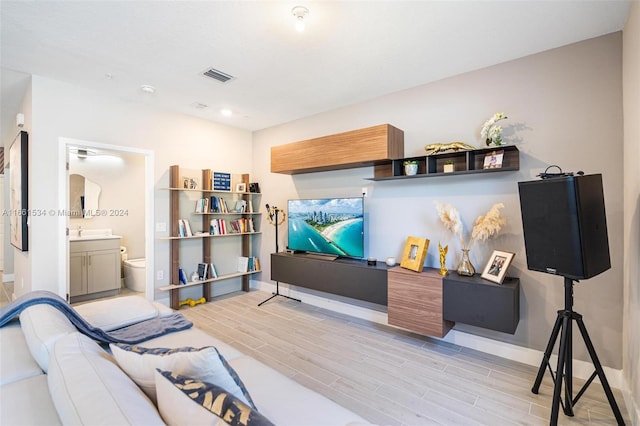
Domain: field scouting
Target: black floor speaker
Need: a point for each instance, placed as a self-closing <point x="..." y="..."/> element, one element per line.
<point x="564" y="224"/>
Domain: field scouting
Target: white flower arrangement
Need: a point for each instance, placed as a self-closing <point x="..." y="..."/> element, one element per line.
<point x="491" y="132"/>
<point x="484" y="228"/>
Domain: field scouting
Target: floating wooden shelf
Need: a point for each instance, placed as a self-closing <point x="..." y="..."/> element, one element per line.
<point x="464" y="162"/>
<point x="356" y="148"/>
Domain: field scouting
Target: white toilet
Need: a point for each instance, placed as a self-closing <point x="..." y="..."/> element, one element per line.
<point x="135" y="274"/>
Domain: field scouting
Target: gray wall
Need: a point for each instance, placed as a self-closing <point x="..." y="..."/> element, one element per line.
<point x="631" y="105"/>
<point x="564" y="108"/>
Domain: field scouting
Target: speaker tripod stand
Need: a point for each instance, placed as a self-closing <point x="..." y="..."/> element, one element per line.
<point x="273" y="219"/>
<point x="563" y="326"/>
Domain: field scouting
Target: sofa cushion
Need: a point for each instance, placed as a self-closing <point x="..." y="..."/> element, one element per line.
<point x="42" y="326"/>
<point x="87" y="387"/>
<point x="184" y="400"/>
<point x="28" y="402"/>
<point x="192" y="337"/>
<point x="205" y="364"/>
<point x="111" y="314"/>
<point x="286" y="402"/>
<point x="16" y="363"/>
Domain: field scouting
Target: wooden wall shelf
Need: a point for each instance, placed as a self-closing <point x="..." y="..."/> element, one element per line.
<point x="465" y="162"/>
<point x="356" y="148"/>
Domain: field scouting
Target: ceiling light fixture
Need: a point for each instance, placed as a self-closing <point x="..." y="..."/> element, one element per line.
<point x="148" y="89"/>
<point x="226" y="112"/>
<point x="300" y="12"/>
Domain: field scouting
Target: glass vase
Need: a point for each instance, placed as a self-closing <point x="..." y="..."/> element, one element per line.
<point x="466" y="268"/>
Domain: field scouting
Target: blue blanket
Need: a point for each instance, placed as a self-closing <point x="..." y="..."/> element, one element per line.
<point x="130" y="335"/>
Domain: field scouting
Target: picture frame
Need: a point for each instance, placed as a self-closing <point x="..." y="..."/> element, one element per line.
<point x="415" y="252"/>
<point x="241" y="187"/>
<point x="497" y="266"/>
<point x="189" y="183"/>
<point x="19" y="195"/>
<point x="493" y="160"/>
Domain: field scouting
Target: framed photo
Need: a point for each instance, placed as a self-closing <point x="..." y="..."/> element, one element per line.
<point x="189" y="183"/>
<point x="241" y="187"/>
<point x="493" y="160"/>
<point x="497" y="266"/>
<point x="18" y="187"/>
<point x="415" y="251"/>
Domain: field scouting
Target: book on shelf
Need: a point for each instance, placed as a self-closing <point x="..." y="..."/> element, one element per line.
<point x="213" y="271"/>
<point x="248" y="264"/>
<point x="240" y="207"/>
<point x="202" y="205"/>
<point x="202" y="271"/>
<point x="184" y="229"/>
<point x="182" y="277"/>
<point x="217" y="227"/>
<point x="249" y="206"/>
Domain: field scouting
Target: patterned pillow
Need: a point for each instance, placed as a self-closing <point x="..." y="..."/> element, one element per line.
<point x="205" y="363"/>
<point x="214" y="405"/>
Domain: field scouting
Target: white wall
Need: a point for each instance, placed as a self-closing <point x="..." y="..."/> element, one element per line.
<point x="63" y="110"/>
<point x="631" y="106"/>
<point x="564" y="108"/>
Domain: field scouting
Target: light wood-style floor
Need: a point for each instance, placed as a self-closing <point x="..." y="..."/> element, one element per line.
<point x="388" y="376"/>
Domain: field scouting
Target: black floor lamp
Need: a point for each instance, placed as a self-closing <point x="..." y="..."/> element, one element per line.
<point x="272" y="218"/>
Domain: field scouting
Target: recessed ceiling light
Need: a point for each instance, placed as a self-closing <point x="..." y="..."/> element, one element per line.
<point x="226" y="112"/>
<point x="148" y="89"/>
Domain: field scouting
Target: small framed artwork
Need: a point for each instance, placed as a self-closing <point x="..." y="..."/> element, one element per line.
<point x="497" y="266"/>
<point x="493" y="160"/>
<point x="189" y="183"/>
<point x="415" y="251"/>
<point x="241" y="187"/>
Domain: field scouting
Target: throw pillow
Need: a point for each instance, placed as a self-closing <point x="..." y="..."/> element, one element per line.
<point x="203" y="363"/>
<point x="213" y="404"/>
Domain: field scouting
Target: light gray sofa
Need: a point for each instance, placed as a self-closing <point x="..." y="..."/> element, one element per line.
<point x="51" y="374"/>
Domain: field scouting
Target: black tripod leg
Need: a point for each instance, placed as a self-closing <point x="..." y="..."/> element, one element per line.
<point x="600" y="371"/>
<point x="562" y="353"/>
<point x="547" y="353"/>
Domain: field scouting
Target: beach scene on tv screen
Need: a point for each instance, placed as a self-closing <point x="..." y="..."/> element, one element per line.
<point x="331" y="226"/>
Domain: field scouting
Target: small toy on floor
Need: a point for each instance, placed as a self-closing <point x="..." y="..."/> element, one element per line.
<point x="189" y="301"/>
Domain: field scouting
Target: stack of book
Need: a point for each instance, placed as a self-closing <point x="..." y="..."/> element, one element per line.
<point x="248" y="264"/>
<point x="218" y="227"/>
<point x="242" y="225"/>
<point x="202" y="205"/>
<point x="218" y="205"/>
<point x="184" y="229"/>
<point x="221" y="181"/>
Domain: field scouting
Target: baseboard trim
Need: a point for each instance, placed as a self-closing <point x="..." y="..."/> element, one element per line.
<point x="630" y="403"/>
<point x="581" y="369"/>
<point x="7" y="278"/>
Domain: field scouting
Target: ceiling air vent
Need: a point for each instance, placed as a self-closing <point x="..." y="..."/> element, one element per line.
<point x="217" y="75"/>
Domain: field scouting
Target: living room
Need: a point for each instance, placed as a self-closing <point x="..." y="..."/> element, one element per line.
<point x="568" y="106"/>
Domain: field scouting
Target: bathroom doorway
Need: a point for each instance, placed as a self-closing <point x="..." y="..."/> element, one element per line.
<point x="108" y="192"/>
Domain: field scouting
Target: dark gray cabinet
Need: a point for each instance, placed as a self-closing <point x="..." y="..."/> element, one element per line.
<point x="475" y="301"/>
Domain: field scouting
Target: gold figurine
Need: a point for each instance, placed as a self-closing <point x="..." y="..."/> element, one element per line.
<point x="443" y="257"/>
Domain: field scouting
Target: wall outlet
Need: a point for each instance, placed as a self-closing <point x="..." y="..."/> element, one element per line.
<point x="365" y="191"/>
<point x="161" y="227"/>
<point x="160" y="275"/>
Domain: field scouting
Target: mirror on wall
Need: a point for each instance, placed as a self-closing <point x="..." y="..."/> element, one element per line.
<point x="83" y="196"/>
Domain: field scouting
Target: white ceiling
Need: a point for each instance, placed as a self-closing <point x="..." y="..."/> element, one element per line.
<point x="351" y="51"/>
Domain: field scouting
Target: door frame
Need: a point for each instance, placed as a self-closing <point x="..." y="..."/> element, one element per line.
<point x="63" y="220"/>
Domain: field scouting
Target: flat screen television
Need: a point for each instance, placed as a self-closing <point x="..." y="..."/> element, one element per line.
<point x="331" y="226"/>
